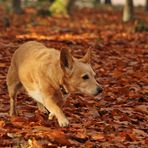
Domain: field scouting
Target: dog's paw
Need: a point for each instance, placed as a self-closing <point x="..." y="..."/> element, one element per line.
<point x="42" y="109"/>
<point x="64" y="122"/>
<point x="50" y="116"/>
<point x="45" y="111"/>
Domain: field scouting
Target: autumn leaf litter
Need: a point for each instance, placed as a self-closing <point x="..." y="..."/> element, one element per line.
<point x="117" y="118"/>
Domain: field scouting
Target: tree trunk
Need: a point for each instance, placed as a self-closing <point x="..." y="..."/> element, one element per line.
<point x="128" y="11"/>
<point x="70" y="6"/>
<point x="97" y="1"/>
<point x="16" y="6"/>
<point x="108" y="2"/>
<point x="146" y="5"/>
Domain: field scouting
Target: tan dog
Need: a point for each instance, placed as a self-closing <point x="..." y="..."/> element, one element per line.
<point x="47" y="74"/>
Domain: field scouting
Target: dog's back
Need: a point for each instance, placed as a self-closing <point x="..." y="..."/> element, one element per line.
<point x="33" y="51"/>
<point x="33" y="59"/>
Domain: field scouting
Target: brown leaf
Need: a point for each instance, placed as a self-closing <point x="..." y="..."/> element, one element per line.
<point x="142" y="108"/>
<point x="18" y="121"/>
<point x="117" y="73"/>
<point x="98" y="136"/>
<point x="56" y="136"/>
<point x="14" y="135"/>
<point x="89" y="144"/>
<point x="139" y="132"/>
<point x="2" y="123"/>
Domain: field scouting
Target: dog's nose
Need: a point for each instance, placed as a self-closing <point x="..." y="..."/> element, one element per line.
<point x="99" y="89"/>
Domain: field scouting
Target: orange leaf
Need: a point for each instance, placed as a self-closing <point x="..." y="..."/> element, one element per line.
<point x="2" y="123"/>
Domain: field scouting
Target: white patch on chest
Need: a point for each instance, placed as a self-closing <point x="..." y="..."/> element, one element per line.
<point x="36" y="95"/>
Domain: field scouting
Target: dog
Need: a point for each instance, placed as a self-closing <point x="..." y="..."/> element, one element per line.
<point x="47" y="75"/>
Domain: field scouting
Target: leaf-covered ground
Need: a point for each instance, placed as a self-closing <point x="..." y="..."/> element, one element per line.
<point x="116" y="118"/>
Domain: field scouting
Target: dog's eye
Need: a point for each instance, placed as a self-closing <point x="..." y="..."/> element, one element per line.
<point x="85" y="77"/>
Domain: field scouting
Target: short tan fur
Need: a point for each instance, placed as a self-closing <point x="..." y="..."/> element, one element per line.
<point x="43" y="71"/>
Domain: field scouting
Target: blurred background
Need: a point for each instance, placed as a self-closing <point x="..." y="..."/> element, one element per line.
<point x="68" y="8"/>
<point x="59" y="6"/>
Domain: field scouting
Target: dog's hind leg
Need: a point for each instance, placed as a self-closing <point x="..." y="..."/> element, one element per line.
<point x="13" y="84"/>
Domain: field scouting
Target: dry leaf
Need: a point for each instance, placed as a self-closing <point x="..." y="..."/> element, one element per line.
<point x="98" y="136"/>
<point x="2" y="123"/>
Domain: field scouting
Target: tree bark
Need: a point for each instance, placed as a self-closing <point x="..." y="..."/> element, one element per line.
<point x="146" y="5"/>
<point x="16" y="6"/>
<point x="128" y="11"/>
<point x="108" y="2"/>
<point x="70" y="6"/>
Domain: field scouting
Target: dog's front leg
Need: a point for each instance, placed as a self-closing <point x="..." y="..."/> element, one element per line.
<point x="50" y="116"/>
<point x="54" y="109"/>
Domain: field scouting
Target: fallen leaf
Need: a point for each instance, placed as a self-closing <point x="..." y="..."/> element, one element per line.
<point x="14" y="135"/>
<point x="98" y="136"/>
<point x="2" y="123"/>
<point x="142" y="108"/>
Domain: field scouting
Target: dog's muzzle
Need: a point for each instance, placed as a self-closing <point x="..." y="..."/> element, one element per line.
<point x="98" y="90"/>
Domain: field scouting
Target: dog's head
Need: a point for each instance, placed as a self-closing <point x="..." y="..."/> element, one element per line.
<point x="78" y="74"/>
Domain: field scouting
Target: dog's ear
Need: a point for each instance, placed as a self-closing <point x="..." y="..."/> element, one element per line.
<point x="66" y="60"/>
<point x="87" y="57"/>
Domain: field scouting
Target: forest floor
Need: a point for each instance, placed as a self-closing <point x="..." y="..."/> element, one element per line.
<point x="116" y="118"/>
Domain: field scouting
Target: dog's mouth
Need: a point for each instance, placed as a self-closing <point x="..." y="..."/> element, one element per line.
<point x="85" y="93"/>
<point x="92" y="93"/>
<point x="65" y="92"/>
